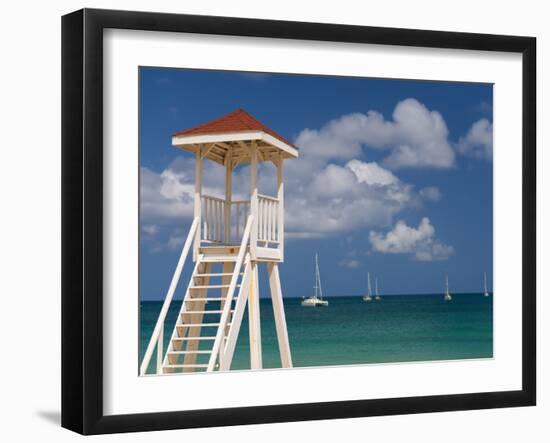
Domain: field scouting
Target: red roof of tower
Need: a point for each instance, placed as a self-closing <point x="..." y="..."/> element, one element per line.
<point x="236" y="121"/>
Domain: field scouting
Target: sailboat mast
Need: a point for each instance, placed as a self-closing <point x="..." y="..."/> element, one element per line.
<point x="316" y="285"/>
<point x="369" y="289"/>
<point x="446" y="284"/>
<point x="376" y="286"/>
<point x="485" y="281"/>
<point x="318" y="278"/>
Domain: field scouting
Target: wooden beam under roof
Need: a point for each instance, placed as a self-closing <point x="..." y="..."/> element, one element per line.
<point x="206" y="149"/>
<point x="240" y="151"/>
<point x="243" y="145"/>
<point x="216" y="157"/>
<point x="219" y="151"/>
<point x="225" y="145"/>
<point x="238" y="159"/>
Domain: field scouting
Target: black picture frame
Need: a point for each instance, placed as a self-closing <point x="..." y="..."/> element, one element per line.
<point x="82" y="218"/>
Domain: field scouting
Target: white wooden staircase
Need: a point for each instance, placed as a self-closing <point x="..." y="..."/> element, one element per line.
<point x="210" y="316"/>
<point x="201" y="318"/>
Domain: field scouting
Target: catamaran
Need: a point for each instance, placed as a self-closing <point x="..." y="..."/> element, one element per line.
<point x="486" y="293"/>
<point x="317" y="298"/>
<point x="447" y="296"/>
<point x="377" y="296"/>
<point x="368" y="296"/>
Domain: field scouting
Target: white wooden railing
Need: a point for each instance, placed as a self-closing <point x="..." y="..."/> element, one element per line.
<point x="222" y="222"/>
<point x="157" y="337"/>
<point x="213" y="219"/>
<point x="268" y="220"/>
<point x="225" y="224"/>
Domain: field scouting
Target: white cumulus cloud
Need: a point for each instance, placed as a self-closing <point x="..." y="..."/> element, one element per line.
<point x="404" y="239"/>
<point x="371" y="173"/>
<point x="478" y="142"/>
<point x="342" y="198"/>
<point x="415" y="137"/>
<point x="430" y="193"/>
<point x="164" y="196"/>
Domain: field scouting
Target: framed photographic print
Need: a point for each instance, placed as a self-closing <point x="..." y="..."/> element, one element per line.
<point x="271" y="221"/>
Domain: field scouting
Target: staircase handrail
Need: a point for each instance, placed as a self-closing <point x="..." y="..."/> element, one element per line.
<point x="155" y="337"/>
<point x="230" y="292"/>
<point x="226" y="356"/>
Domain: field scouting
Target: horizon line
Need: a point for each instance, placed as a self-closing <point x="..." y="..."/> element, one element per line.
<point x="355" y="295"/>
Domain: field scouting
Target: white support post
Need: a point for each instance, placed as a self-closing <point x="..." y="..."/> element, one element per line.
<point x="279" y="314"/>
<point x="281" y="209"/>
<point x="160" y="351"/>
<point x="227" y="206"/>
<point x="254" y="199"/>
<point x="198" y="197"/>
<point x="254" y="320"/>
<point x="227" y="268"/>
<point x="233" y="333"/>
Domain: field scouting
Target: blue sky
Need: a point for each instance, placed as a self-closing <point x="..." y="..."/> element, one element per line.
<point x="394" y="177"/>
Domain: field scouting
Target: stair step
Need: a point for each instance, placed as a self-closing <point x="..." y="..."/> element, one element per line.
<point x="193" y="338"/>
<point x="204" y="312"/>
<point x="221" y="274"/>
<point x="219" y="258"/>
<point x="211" y="286"/>
<point x="194" y="325"/>
<point x="209" y="299"/>
<point x="189" y="352"/>
<point x="184" y="366"/>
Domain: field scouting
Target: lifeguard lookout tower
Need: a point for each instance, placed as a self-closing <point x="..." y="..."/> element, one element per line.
<point x="229" y="240"/>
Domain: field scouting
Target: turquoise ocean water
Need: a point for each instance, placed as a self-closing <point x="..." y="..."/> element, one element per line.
<point x="398" y="328"/>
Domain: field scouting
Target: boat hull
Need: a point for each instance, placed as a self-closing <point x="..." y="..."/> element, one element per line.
<point x="313" y="302"/>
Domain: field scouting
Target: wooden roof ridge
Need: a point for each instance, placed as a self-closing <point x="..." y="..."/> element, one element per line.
<point x="238" y="120"/>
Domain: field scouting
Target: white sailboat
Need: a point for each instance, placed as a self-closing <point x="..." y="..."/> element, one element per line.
<point x="486" y="293"/>
<point x="447" y="296"/>
<point x="377" y="295"/>
<point x="317" y="298"/>
<point x="368" y="296"/>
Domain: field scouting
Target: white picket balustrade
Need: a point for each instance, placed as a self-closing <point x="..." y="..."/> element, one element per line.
<point x="268" y="220"/>
<point x="213" y="220"/>
<point x="213" y="223"/>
